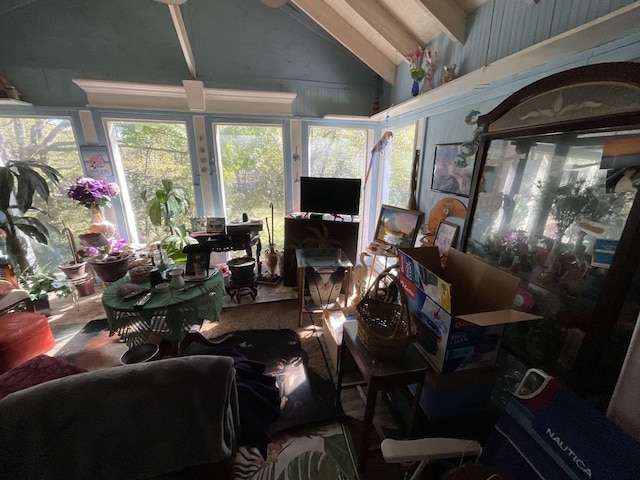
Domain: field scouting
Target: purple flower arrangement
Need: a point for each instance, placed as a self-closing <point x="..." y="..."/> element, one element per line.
<point x="93" y="193"/>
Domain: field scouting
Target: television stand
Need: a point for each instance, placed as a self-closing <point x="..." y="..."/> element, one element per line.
<point x="303" y="231"/>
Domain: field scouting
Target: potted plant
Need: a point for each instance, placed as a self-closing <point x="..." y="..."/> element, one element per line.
<point x="39" y="285"/>
<point x="167" y="202"/>
<point x="109" y="258"/>
<point x="95" y="194"/>
<point x="19" y="183"/>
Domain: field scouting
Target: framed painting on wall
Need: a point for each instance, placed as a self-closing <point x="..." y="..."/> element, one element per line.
<point x="450" y="175"/>
<point x="96" y="162"/>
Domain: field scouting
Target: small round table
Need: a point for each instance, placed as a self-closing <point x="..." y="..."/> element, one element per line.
<point x="170" y="313"/>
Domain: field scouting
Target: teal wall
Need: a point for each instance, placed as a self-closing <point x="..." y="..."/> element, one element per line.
<point x="244" y="45"/>
<point x="239" y="44"/>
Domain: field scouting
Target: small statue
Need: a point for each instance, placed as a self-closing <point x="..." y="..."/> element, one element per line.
<point x="449" y="73"/>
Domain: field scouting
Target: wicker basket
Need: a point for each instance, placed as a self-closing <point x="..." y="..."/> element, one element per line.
<point x="385" y="327"/>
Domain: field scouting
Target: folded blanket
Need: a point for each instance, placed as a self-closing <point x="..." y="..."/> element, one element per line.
<point x="134" y="421"/>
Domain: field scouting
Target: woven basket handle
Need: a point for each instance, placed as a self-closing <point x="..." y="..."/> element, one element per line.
<point x="403" y="297"/>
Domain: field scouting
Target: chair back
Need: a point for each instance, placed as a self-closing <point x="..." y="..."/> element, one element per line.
<point x="546" y="431"/>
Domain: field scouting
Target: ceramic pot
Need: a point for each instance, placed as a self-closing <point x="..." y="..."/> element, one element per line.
<point x="176" y="280"/>
<point x="73" y="271"/>
<point x="100" y="225"/>
<point x="110" y="271"/>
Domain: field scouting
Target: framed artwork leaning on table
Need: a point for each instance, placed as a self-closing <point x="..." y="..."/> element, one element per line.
<point x="397" y="227"/>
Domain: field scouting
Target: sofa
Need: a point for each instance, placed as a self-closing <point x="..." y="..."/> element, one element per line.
<point x="172" y="418"/>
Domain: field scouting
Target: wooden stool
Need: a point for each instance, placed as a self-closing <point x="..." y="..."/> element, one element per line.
<point x="23" y="335"/>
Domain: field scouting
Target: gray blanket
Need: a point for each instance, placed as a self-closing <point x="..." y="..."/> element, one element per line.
<point x="134" y="421"/>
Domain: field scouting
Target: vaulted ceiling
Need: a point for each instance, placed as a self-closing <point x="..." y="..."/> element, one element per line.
<point x="382" y="32"/>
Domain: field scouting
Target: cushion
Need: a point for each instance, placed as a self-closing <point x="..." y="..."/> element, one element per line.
<point x="39" y="369"/>
<point x="12" y="298"/>
<point x="5" y="287"/>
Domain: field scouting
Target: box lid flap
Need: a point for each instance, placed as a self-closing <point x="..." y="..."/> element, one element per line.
<point x="498" y="317"/>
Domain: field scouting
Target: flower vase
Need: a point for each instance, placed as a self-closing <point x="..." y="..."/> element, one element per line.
<point x="99" y="224"/>
<point x="415" y="88"/>
<point x="271" y="259"/>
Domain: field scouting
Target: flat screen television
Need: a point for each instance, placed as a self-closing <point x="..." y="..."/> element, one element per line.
<point x="337" y="196"/>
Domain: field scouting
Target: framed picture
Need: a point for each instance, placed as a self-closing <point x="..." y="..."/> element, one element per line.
<point x="96" y="162"/>
<point x="450" y="175"/>
<point x="445" y="237"/>
<point x="398" y="227"/>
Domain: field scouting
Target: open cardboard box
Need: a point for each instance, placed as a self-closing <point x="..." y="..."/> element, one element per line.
<point x="461" y="308"/>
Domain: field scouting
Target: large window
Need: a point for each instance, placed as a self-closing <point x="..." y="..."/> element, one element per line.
<point x="50" y="141"/>
<point x="149" y="152"/>
<point x="337" y="152"/>
<point x="396" y="184"/>
<point x="252" y="175"/>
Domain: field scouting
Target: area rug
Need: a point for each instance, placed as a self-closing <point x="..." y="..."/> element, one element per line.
<point x="92" y="348"/>
<point x="321" y="453"/>
<point x="306" y="396"/>
<point x="295" y="359"/>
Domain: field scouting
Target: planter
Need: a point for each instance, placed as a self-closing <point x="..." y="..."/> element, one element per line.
<point x="242" y="270"/>
<point x="73" y="271"/>
<point x="86" y="287"/>
<point x="110" y="271"/>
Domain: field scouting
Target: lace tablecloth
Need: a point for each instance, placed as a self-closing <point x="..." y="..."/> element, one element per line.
<point x="170" y="313"/>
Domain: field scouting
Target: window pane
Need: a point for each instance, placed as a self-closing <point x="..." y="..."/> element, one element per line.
<point x="150" y="152"/>
<point x="337" y="152"/>
<point x="252" y="163"/>
<point x="397" y="184"/>
<point x="50" y="141"/>
<point x="546" y="212"/>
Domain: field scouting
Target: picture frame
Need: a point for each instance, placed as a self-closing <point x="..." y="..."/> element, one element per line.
<point x="96" y="162"/>
<point x="448" y="175"/>
<point x="446" y="236"/>
<point x="398" y="227"/>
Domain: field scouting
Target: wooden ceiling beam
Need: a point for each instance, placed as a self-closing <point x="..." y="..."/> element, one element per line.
<point x="450" y="16"/>
<point x="386" y="25"/>
<point x="352" y="40"/>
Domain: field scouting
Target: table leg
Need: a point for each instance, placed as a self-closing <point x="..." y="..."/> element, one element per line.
<point x="372" y="393"/>
<point x="300" y="295"/>
<point x="341" y="354"/>
<point x="414" y="407"/>
<point x="347" y="287"/>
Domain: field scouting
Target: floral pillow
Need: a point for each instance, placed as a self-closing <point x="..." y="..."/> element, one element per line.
<point x="5" y="287"/>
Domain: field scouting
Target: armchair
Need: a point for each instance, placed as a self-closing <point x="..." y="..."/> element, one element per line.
<point x="175" y="417"/>
<point x="544" y="432"/>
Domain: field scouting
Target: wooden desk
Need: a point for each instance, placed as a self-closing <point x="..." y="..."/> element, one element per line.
<point x="380" y="374"/>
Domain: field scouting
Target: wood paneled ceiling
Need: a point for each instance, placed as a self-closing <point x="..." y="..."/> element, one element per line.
<point x="381" y="32"/>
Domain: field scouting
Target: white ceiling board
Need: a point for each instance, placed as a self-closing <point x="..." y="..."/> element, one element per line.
<point x="450" y="16"/>
<point x="321" y="13"/>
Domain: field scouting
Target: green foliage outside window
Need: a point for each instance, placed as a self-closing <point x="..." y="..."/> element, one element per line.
<point x="252" y="162"/>
<point x="150" y="152"/>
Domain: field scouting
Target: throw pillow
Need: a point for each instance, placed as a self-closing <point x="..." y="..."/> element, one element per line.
<point x="38" y="370"/>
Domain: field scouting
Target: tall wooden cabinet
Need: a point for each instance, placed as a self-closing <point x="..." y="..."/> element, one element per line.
<point x="545" y="207"/>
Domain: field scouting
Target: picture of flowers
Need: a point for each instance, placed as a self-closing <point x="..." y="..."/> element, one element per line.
<point x="96" y="163"/>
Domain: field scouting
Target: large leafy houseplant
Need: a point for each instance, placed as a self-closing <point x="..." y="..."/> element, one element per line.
<point x="19" y="183"/>
<point x="163" y="207"/>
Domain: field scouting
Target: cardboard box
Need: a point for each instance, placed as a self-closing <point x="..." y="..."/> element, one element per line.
<point x="461" y="308"/>
<point x="332" y="323"/>
<point x="459" y="393"/>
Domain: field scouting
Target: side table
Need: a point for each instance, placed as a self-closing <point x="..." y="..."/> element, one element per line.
<point x="380" y="374"/>
<point x="321" y="259"/>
